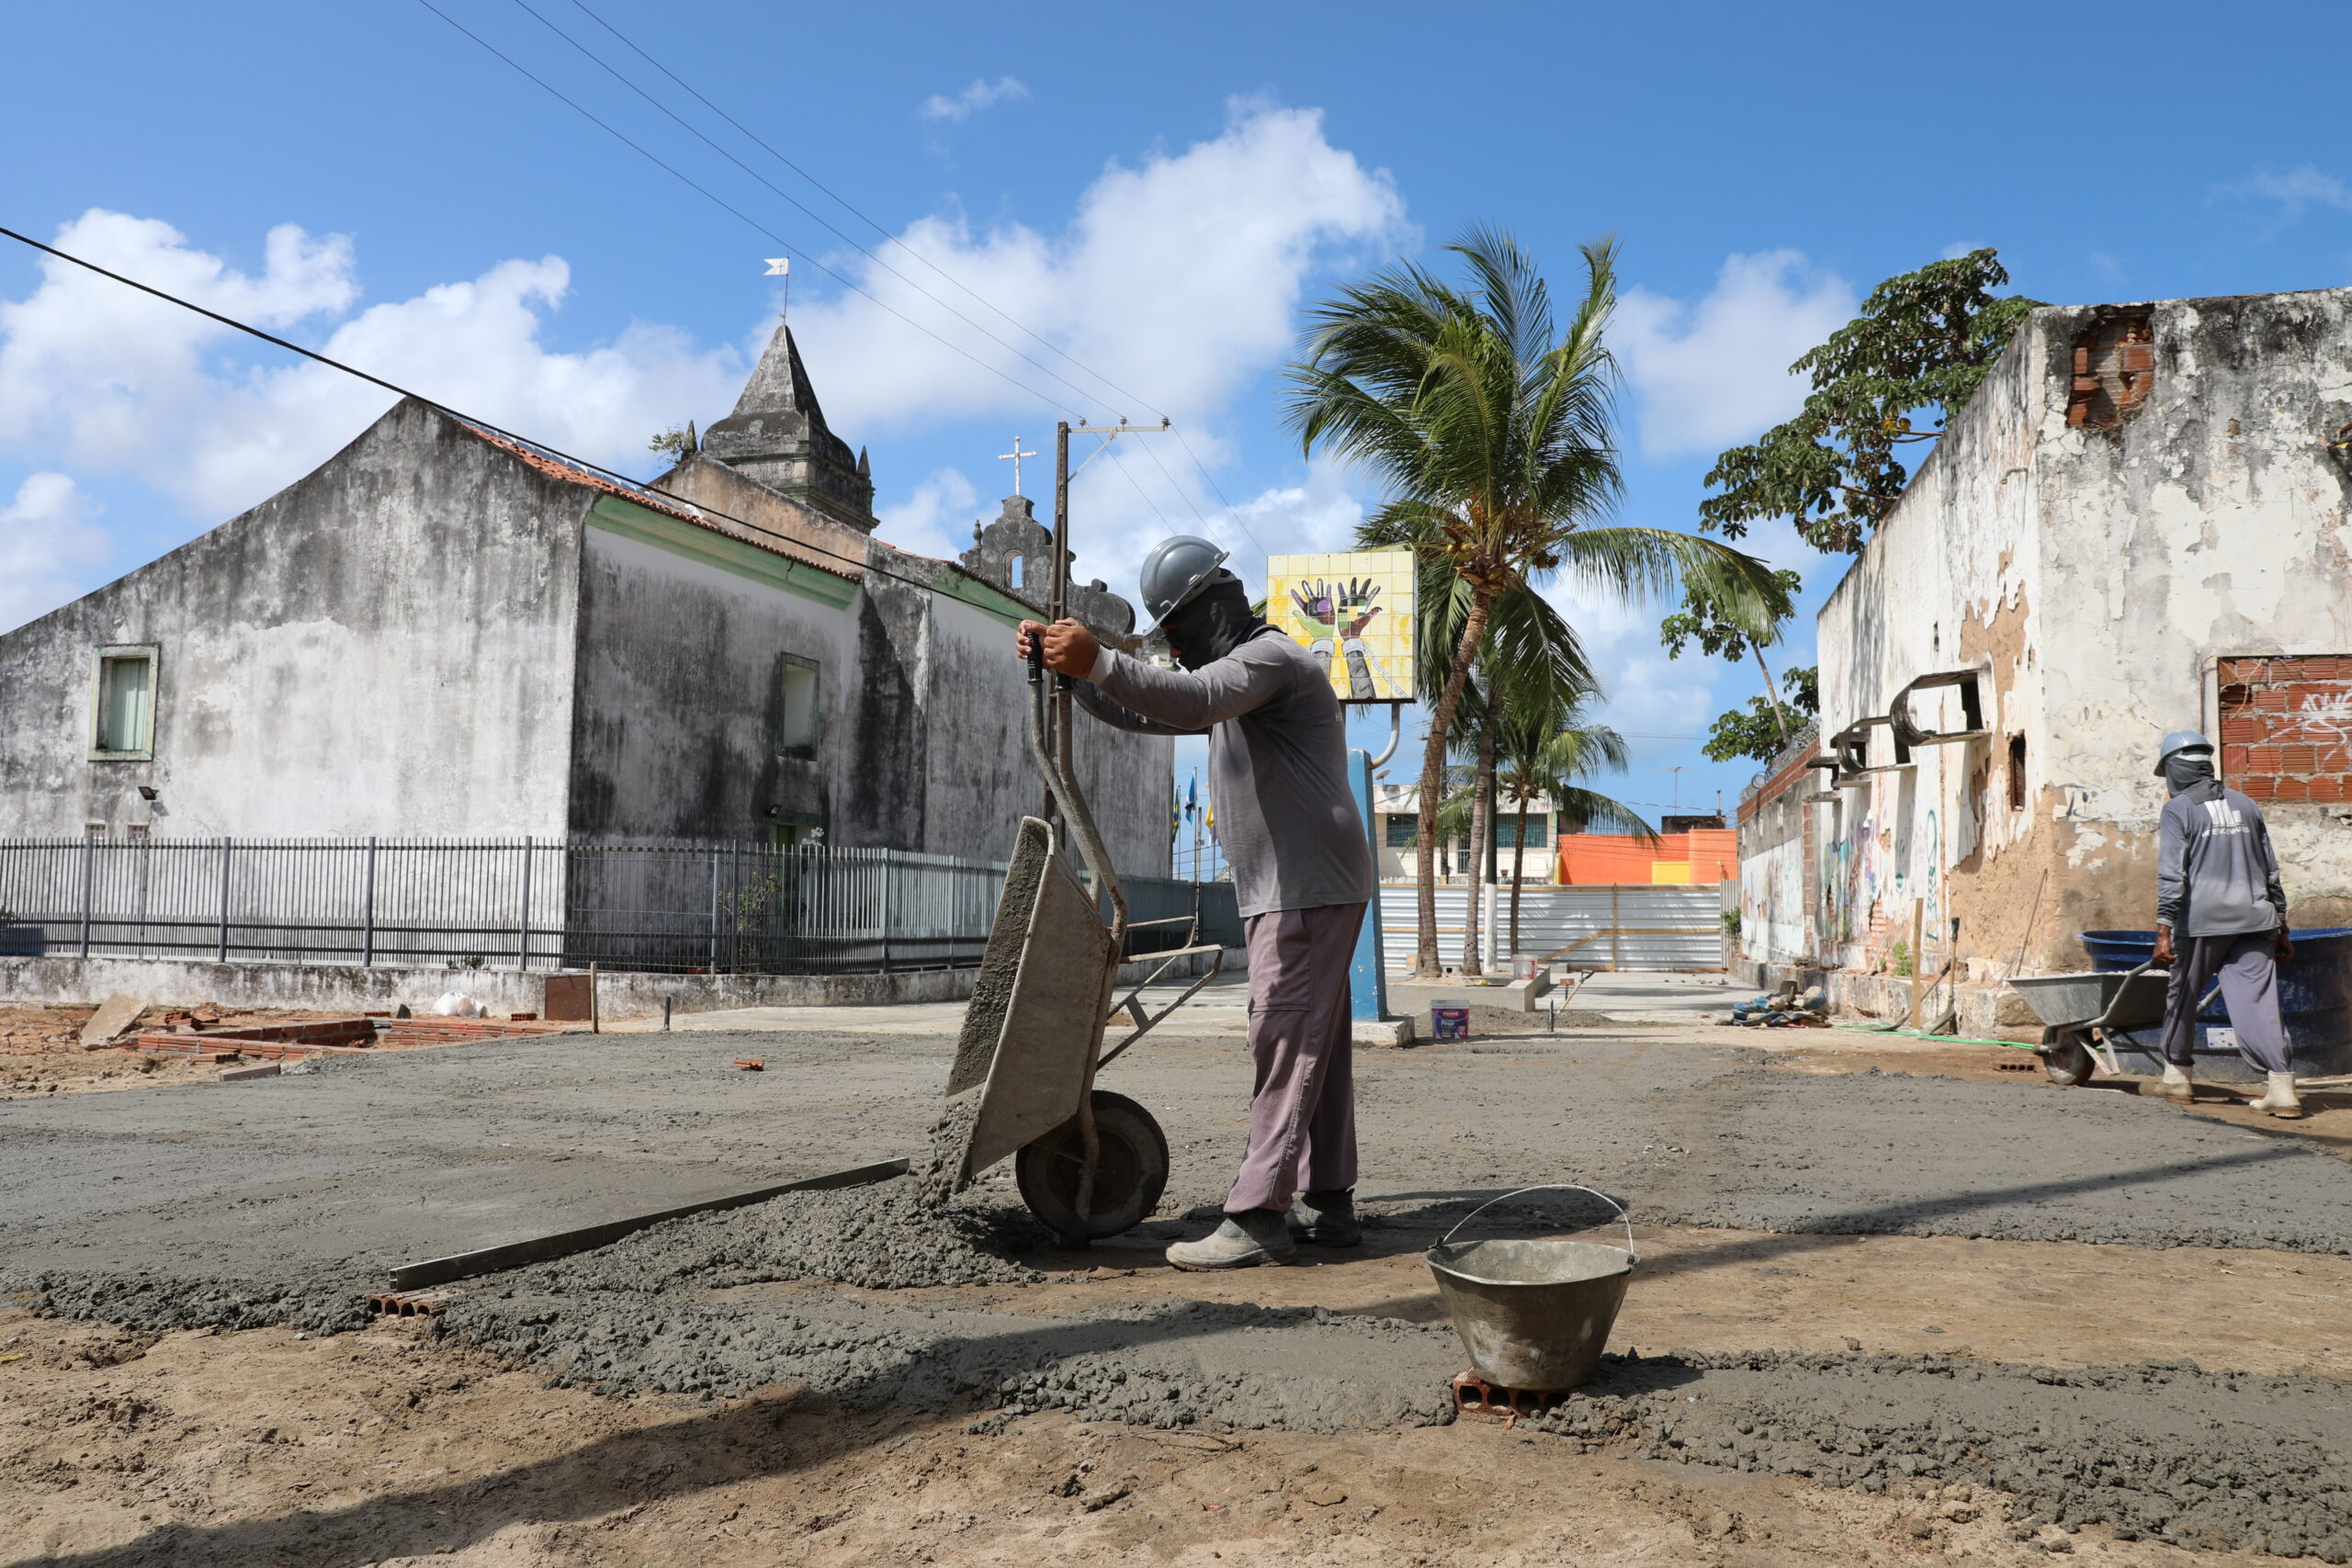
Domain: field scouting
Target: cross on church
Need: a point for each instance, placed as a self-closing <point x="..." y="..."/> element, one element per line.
<point x="1014" y="457"/>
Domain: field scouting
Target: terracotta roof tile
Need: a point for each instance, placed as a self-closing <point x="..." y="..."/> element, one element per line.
<point x="572" y="473"/>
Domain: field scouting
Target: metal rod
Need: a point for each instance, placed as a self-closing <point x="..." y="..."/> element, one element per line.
<point x="367" y="909"/>
<point x="523" y="929"/>
<point x="89" y="874"/>
<point x="224" y="901"/>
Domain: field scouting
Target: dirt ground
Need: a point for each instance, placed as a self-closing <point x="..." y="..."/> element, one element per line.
<point x="390" y="1446"/>
<point x="395" y="1444"/>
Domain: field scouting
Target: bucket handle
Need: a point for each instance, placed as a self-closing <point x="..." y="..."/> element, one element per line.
<point x="1550" y="1187"/>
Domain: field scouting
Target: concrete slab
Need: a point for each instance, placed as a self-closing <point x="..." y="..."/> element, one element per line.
<point x="1633" y="996"/>
<point x="116" y="1013"/>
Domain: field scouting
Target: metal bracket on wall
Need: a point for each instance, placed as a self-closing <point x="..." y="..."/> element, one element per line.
<point x="1908" y="733"/>
<point x="1850" y="749"/>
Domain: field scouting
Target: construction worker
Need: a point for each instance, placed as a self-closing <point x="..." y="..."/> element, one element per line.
<point x="2220" y="911"/>
<point x="1302" y="871"/>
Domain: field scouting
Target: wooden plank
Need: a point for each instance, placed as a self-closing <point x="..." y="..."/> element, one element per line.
<point x="562" y="1244"/>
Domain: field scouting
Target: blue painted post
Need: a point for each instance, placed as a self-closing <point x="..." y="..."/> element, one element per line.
<point x="1367" y="975"/>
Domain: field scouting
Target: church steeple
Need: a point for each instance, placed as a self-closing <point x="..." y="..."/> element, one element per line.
<point x="777" y="435"/>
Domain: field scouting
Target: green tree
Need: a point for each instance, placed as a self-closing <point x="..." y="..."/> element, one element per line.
<point x="1492" y="430"/>
<point x="1924" y="341"/>
<point x="1546" y="747"/>
<point x="1755" y="732"/>
<point x="1530" y="650"/>
<point x="1731" y="633"/>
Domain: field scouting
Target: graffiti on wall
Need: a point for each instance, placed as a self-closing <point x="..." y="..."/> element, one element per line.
<point x="1866" y="883"/>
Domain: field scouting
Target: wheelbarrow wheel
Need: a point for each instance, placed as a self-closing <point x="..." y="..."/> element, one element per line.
<point x="1130" y="1170"/>
<point x="2069" y="1062"/>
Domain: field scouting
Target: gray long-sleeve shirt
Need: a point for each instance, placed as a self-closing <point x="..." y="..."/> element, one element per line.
<point x="1278" y="764"/>
<point x="2216" y="872"/>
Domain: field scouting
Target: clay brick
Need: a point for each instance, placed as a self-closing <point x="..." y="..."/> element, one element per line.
<point x="2327" y="789"/>
<point x="2291" y="790"/>
<point x="2241" y="731"/>
<point x="2298" y="759"/>
<point x="2266" y="759"/>
<point x="2235" y="760"/>
<point x="2271" y="699"/>
<point x="2258" y="787"/>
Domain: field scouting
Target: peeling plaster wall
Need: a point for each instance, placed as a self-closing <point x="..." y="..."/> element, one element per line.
<point x="2099" y="574"/>
<point x="383" y="647"/>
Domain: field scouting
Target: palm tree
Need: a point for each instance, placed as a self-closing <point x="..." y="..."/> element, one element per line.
<point x="1528" y="647"/>
<point x="1493" y="433"/>
<point x="1546" y="747"/>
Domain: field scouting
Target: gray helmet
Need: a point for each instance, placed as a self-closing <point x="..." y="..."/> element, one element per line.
<point x="2180" y="741"/>
<point x="1176" y="570"/>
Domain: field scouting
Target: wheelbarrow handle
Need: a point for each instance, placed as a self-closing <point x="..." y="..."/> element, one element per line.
<point x="1552" y="1187"/>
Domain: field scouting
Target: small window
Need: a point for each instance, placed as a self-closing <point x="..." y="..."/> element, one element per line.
<point x="1404" y="830"/>
<point x="1507" y="829"/>
<point x="796" y="729"/>
<point x="2017" y="772"/>
<point x="123" y="721"/>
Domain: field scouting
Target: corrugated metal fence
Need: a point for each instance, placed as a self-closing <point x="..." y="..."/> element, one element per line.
<point x="532" y="904"/>
<point x="1609" y="927"/>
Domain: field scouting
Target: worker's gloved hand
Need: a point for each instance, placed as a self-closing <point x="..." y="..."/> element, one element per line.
<point x="2284" y="946"/>
<point x="1070" y="649"/>
<point x="2164" y="954"/>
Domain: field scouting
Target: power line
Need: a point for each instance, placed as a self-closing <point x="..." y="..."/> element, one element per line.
<point x="582" y="464"/>
<point x="1027" y="331"/>
<point x="802" y="207"/>
<point x="750" y="221"/>
<point x="845" y="204"/>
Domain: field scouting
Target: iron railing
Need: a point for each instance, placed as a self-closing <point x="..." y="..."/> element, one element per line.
<point x="532" y="904"/>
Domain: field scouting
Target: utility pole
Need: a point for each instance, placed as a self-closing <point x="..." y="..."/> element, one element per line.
<point x="1057" y="738"/>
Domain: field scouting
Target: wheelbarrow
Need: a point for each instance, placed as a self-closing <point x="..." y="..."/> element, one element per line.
<point x="1088" y="1163"/>
<point x="2080" y="1013"/>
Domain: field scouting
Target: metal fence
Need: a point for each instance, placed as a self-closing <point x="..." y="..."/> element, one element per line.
<point x="1585" y="927"/>
<point x="714" y="908"/>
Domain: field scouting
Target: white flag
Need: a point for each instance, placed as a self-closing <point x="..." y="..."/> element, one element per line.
<point x="778" y="266"/>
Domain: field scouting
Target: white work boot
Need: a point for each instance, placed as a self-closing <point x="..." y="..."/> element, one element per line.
<point x="2176" y="1084"/>
<point x="1244" y="1241"/>
<point x="2280" y="1100"/>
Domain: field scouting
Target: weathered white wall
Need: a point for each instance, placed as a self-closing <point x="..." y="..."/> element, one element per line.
<point x="383" y="647"/>
<point x="2096" y="574"/>
<point x="679" y="700"/>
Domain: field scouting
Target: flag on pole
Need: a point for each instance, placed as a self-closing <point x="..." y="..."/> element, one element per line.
<point x="778" y="266"/>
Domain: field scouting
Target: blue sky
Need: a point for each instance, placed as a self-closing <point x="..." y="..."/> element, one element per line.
<point x="1153" y="192"/>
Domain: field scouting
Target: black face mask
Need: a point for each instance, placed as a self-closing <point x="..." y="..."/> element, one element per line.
<point x="1211" y="624"/>
<point x="2186" y="770"/>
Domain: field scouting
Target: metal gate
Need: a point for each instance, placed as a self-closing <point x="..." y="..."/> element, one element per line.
<point x="1633" y="926"/>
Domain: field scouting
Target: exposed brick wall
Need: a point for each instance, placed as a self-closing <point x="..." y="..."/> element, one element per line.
<point x="2287" y="728"/>
<point x="1773" y="787"/>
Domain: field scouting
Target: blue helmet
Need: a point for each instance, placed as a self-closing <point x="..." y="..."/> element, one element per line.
<point x="2178" y="741"/>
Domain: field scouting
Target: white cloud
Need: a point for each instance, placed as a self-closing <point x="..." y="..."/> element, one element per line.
<point x="1177" y="279"/>
<point x="48" y="546"/>
<point x="102" y="377"/>
<point x="2296" y="190"/>
<point x="1714" y="373"/>
<point x="981" y="95"/>
<point x="936" y="520"/>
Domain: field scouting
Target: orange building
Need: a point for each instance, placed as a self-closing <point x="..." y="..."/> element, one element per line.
<point x="1706" y="854"/>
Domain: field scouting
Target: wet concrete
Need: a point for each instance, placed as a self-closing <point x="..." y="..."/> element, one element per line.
<point x="177" y="1207"/>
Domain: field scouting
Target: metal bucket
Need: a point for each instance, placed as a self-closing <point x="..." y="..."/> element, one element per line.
<point x="1533" y="1314"/>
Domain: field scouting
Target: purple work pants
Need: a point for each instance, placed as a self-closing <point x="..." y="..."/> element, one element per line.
<point x="2249" y="974"/>
<point x="1303" y="1113"/>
